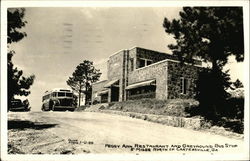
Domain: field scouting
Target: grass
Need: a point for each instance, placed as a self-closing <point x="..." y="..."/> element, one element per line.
<point x="171" y="107"/>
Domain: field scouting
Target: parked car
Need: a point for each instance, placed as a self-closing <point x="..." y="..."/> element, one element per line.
<point x="18" y="105"/>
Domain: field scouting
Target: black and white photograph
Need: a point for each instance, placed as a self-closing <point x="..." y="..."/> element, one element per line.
<point x="125" y="80"/>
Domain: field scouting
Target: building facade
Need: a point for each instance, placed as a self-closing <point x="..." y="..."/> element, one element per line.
<point x="141" y="73"/>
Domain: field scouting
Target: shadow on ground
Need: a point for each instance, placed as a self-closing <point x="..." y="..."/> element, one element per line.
<point x="24" y="124"/>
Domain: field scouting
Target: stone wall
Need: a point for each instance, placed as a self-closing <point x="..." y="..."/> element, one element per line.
<point x="153" y="55"/>
<point x="157" y="71"/>
<point x="175" y="72"/>
<point x="115" y="66"/>
<point x="189" y="123"/>
<point x="96" y="87"/>
<point x="116" y="70"/>
<point x="132" y="57"/>
<point x="167" y="73"/>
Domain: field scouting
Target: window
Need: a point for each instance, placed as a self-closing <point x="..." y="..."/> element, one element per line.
<point x="144" y="62"/>
<point x="184" y="85"/>
<point x="61" y="94"/>
<point x="69" y="94"/>
<point x="132" y="64"/>
<point x="141" y="63"/>
<point x="46" y="97"/>
<point x="149" y="62"/>
<point x="54" y="94"/>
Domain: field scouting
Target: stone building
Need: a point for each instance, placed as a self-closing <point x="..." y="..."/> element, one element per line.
<point x="141" y="73"/>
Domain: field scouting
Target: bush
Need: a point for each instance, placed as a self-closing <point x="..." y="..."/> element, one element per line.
<point x="235" y="108"/>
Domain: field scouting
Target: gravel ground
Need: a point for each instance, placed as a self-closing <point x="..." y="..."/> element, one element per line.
<point x="91" y="132"/>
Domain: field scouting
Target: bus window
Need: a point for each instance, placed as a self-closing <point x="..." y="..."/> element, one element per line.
<point x="46" y="97"/>
<point x="61" y="94"/>
<point x="54" y="94"/>
<point x="68" y="94"/>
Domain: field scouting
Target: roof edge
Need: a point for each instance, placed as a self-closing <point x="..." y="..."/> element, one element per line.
<point x="99" y="82"/>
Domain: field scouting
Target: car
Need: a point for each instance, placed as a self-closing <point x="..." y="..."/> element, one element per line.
<point x="18" y="105"/>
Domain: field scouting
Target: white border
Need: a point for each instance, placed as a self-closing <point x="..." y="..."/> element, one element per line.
<point x="6" y="4"/>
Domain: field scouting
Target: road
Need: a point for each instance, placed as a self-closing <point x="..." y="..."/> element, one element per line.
<point x="90" y="132"/>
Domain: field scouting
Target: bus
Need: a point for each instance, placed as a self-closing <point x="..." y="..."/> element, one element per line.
<point x="58" y="99"/>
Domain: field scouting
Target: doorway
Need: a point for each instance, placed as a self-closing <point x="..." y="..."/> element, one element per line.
<point x="114" y="94"/>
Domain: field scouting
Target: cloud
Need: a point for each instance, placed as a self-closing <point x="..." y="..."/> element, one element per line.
<point x="40" y="83"/>
<point x="101" y="62"/>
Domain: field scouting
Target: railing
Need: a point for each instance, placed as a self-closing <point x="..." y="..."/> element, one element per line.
<point x="140" y="96"/>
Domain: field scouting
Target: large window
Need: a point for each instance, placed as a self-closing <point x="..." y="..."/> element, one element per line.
<point x="141" y="92"/>
<point x="143" y="62"/>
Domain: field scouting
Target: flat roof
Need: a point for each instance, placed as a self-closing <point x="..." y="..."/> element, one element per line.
<point x="167" y="60"/>
<point x="99" y="82"/>
<point x="134" y="47"/>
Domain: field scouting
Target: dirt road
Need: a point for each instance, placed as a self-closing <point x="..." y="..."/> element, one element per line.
<point x="86" y="132"/>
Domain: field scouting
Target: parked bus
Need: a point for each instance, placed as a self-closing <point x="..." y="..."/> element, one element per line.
<point x="58" y="99"/>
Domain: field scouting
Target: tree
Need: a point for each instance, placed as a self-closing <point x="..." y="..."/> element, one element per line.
<point x="210" y="34"/>
<point x="17" y="84"/>
<point x="238" y="84"/>
<point x="82" y="78"/>
<point x="15" y="23"/>
<point x="211" y="92"/>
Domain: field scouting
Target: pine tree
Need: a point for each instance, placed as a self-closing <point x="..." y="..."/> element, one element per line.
<point x="17" y="84"/>
<point x="211" y="34"/>
<point x="82" y="78"/>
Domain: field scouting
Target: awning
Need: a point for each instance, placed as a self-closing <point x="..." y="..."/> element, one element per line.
<point x="110" y="83"/>
<point x="102" y="92"/>
<point x="141" y="84"/>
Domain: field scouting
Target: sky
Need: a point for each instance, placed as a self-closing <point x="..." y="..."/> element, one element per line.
<point x="58" y="39"/>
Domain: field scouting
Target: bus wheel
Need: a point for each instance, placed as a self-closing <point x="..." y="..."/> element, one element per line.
<point x="43" y="108"/>
<point x="51" y="106"/>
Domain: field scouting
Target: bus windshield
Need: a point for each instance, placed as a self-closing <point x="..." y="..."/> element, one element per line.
<point x="61" y="94"/>
<point x="69" y="94"/>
